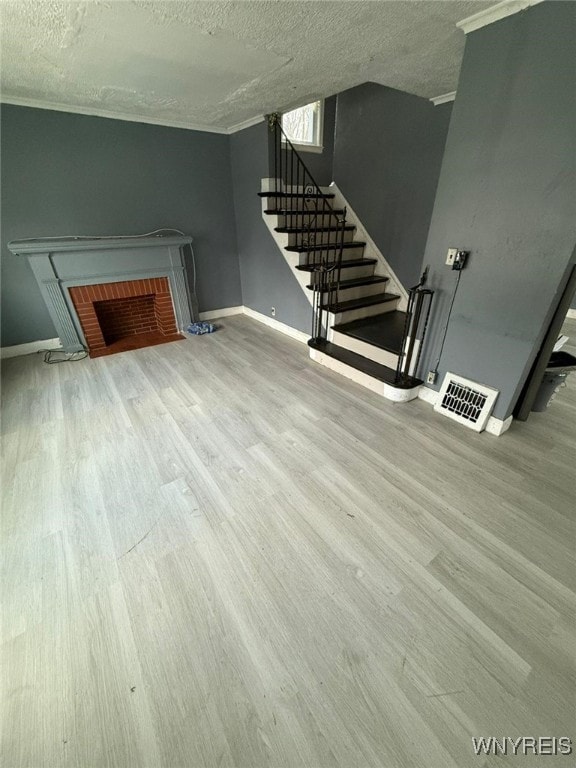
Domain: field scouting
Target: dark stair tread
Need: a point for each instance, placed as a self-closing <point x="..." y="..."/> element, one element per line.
<point x="346" y="264"/>
<point x="384" y="331"/>
<point x="298" y="195"/>
<point x="366" y="301"/>
<point x="364" y="365"/>
<point x="301" y="212"/>
<point x="306" y="230"/>
<point x="356" y="282"/>
<point x="324" y="247"/>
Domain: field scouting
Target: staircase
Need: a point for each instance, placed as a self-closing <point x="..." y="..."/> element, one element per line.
<point x="360" y="328"/>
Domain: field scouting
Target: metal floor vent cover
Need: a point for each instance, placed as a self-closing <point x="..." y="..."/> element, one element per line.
<point x="466" y="401"/>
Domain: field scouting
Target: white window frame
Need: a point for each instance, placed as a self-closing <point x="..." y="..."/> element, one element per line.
<point x="318" y="145"/>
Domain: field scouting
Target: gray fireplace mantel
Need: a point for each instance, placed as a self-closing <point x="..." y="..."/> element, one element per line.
<point x="61" y="264"/>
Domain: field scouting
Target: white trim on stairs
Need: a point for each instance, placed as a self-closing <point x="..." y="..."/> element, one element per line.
<point x="571" y="314"/>
<point x="386" y="391"/>
<point x="371" y="251"/>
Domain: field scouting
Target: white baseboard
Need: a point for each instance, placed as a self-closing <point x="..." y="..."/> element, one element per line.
<point x="497" y="426"/>
<point x="214" y="314"/>
<point x="494" y="426"/>
<point x="29" y="348"/>
<point x="429" y="396"/>
<point x="35" y="346"/>
<point x="271" y="322"/>
<point x="571" y="314"/>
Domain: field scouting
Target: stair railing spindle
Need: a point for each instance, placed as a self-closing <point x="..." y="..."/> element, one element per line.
<point x="295" y="177"/>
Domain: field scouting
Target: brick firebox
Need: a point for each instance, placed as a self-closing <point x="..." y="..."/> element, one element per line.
<point x="110" y="312"/>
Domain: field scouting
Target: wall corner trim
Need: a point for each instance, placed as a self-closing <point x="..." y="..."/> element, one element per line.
<point x="29" y="348"/>
<point x="443" y="98"/>
<point x="494" y="13"/>
<point x="494" y="426"/>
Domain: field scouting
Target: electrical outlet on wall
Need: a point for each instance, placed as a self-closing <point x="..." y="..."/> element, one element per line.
<point x="451" y="256"/>
<point x="273" y="311"/>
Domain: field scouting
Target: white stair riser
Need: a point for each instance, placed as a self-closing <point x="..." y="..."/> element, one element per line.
<point x="360" y="291"/>
<point x="379" y="387"/>
<point x="381" y="356"/>
<point x="301" y="221"/>
<point x="350" y="273"/>
<point x="295" y="259"/>
<point x="321" y="237"/>
<point x="348" y="254"/>
<point x="358" y="314"/>
<point x="299" y="204"/>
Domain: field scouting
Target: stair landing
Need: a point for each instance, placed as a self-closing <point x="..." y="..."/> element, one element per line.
<point x="379" y="378"/>
<point x="383" y="331"/>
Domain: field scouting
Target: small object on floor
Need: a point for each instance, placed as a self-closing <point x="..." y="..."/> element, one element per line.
<point x="52" y="356"/>
<point x="201" y="327"/>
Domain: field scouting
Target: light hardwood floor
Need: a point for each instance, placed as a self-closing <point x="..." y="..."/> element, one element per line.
<point x="218" y="553"/>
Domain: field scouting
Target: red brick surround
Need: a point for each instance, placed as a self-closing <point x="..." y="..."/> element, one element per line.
<point x="140" y="306"/>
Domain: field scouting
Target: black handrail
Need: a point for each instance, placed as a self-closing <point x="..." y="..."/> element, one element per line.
<point x="415" y="324"/>
<point x="319" y="229"/>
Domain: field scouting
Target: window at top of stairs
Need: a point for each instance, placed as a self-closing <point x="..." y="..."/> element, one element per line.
<point x="304" y="126"/>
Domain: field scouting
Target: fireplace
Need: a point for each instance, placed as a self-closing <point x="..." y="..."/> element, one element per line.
<point x="125" y="315"/>
<point x="112" y="294"/>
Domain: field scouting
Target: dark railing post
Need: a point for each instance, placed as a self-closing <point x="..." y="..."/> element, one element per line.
<point x="412" y="322"/>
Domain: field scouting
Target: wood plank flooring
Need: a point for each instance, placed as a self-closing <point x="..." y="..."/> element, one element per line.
<point x="218" y="553"/>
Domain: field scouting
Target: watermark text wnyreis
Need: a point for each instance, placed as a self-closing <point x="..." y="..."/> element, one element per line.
<point x="523" y="745"/>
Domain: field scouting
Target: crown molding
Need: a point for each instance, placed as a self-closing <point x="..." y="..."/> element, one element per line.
<point x="443" y="98"/>
<point x="245" y="124"/>
<point x="494" y="13"/>
<point x="94" y="112"/>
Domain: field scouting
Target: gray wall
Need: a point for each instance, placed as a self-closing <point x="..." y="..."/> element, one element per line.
<point x="266" y="277"/>
<point x="506" y="193"/>
<point x="387" y="157"/>
<point x="65" y="174"/>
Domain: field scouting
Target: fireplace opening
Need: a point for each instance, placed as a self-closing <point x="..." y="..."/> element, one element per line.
<point x="116" y="317"/>
<point x="119" y="318"/>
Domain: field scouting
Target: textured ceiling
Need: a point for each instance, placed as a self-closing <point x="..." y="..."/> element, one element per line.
<point x="219" y="64"/>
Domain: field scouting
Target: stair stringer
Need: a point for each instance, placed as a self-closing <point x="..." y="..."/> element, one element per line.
<point x="371" y="250"/>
